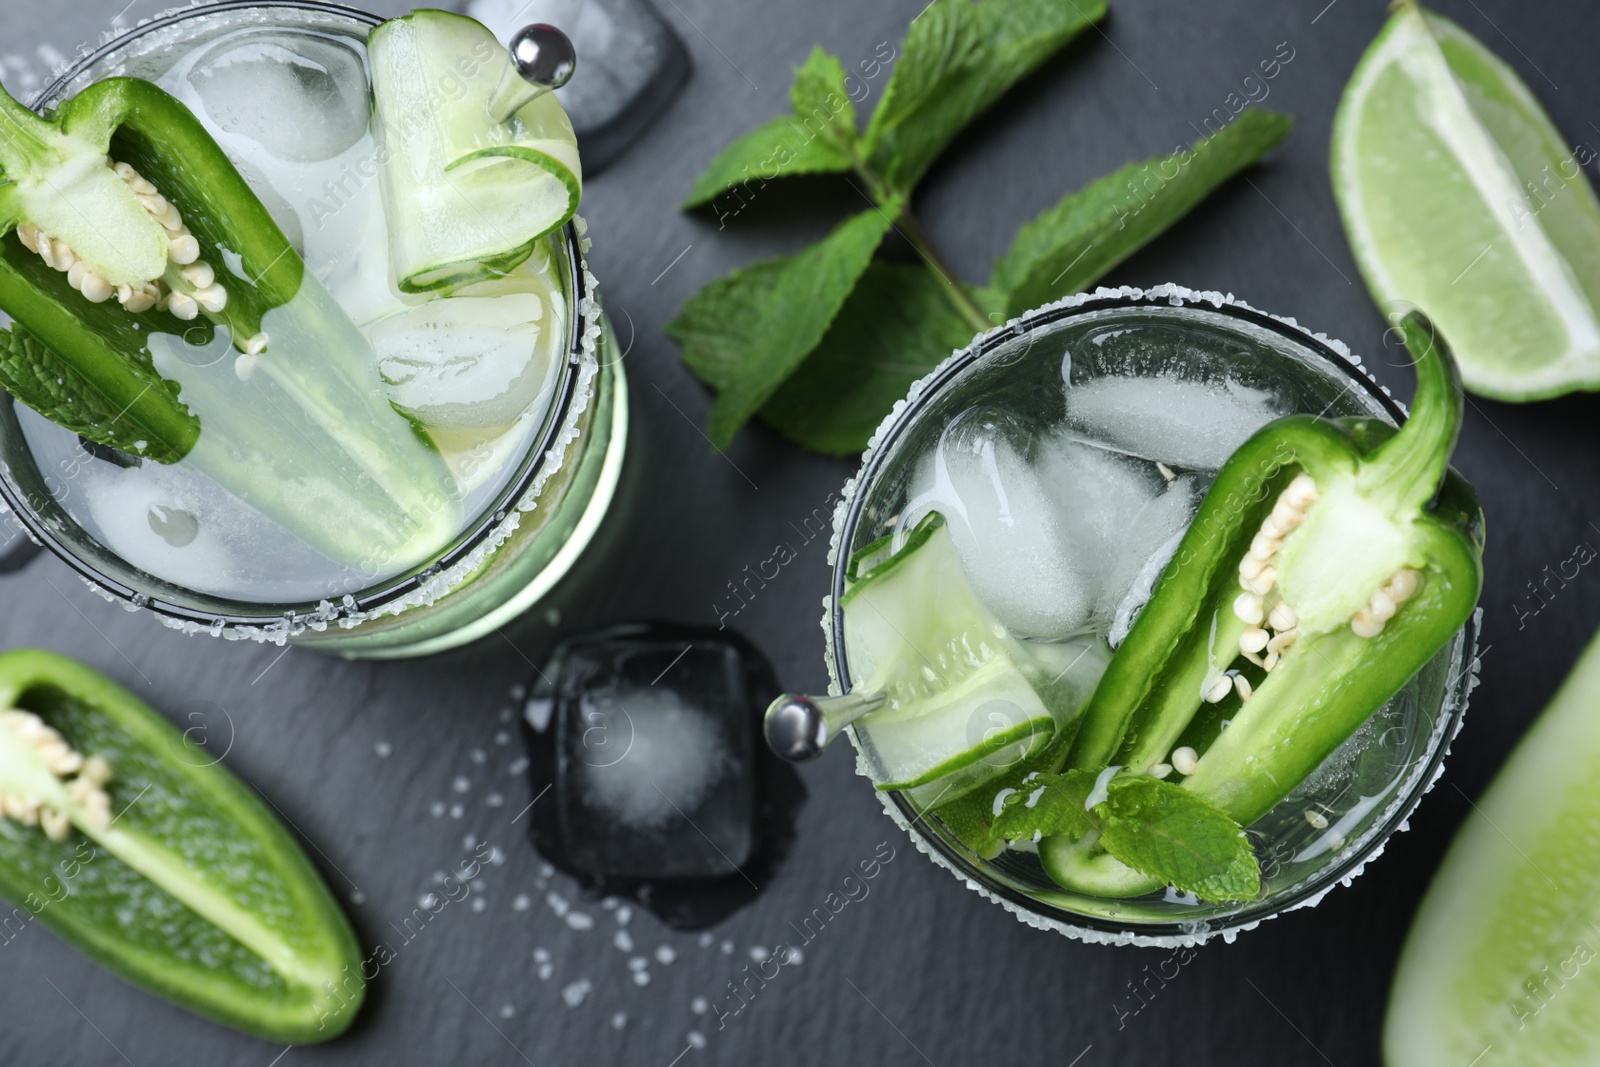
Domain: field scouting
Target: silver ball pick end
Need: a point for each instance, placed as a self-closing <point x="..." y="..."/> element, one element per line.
<point x="799" y="727"/>
<point x="542" y="60"/>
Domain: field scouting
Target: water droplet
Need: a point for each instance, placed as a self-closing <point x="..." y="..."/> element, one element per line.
<point x="518" y="765"/>
<point x="641" y="977"/>
<point x="541" y="955"/>
<point x="507" y="1011"/>
<point x="699" y="1005"/>
<point x="521" y="902"/>
<point x="384" y="749"/>
<point x="461" y="784"/>
<point x="502" y="737"/>
<point x="438" y="809"/>
<point x="727" y="948"/>
<point x="494" y="800"/>
<point x="697" y="1039"/>
<point x="479" y="755"/>
<point x="580" y="921"/>
<point x="357" y="897"/>
<point x="478" y="904"/>
<point x="623" y="940"/>
<point x="469" y="841"/>
<point x="706" y="940"/>
<point x="619" y="1020"/>
<point x="624" y="915"/>
<point x="577" y="992"/>
<point x="545" y="971"/>
<point x="666" y="953"/>
<point x="427" y="900"/>
<point x="638" y="963"/>
<point x="758" y="953"/>
<point x="457" y="810"/>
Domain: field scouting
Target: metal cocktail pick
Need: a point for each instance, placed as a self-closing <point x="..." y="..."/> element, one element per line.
<point x="542" y="59"/>
<point x="799" y="727"/>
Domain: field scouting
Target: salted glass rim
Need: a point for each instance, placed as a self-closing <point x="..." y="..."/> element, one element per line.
<point x="231" y="613"/>
<point x="1179" y="302"/>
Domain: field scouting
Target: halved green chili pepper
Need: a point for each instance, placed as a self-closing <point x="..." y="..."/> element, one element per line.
<point x="132" y="842"/>
<point x="161" y="310"/>
<point x="1328" y="563"/>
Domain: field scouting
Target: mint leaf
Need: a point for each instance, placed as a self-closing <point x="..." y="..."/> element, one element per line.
<point x="896" y="327"/>
<point x="34" y="374"/>
<point x="957" y="60"/>
<point x="750" y="330"/>
<point x="1049" y="805"/>
<point x="1092" y="230"/>
<point x="822" y="102"/>
<point x="1165" y="831"/>
<point x="818" y="138"/>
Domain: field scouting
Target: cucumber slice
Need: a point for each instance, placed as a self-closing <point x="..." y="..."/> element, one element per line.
<point x="1500" y="964"/>
<point x="960" y="710"/>
<point x="466" y="196"/>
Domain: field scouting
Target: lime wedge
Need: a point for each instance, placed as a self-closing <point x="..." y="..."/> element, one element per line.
<point x="1503" y="963"/>
<point x="1460" y="197"/>
<point x="466" y="194"/>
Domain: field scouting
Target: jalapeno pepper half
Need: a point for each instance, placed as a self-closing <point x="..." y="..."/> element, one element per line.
<point x="132" y="842"/>
<point x="139" y="265"/>
<point x="1329" y="562"/>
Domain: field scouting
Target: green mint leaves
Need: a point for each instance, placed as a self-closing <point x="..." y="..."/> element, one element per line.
<point x="819" y="138"/>
<point x="1092" y="230"/>
<point x="33" y="373"/>
<point x="751" y="330"/>
<point x="1047" y="805"/>
<point x="1158" y="828"/>
<point x="821" y="345"/>
<point x="1163" y="830"/>
<point x="959" y="58"/>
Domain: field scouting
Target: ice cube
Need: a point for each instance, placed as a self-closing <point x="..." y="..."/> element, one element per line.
<point x="302" y="97"/>
<point x="654" y="750"/>
<point x="468" y="363"/>
<point x="1138" y="560"/>
<point x="1008" y="532"/>
<point x="1176" y="420"/>
<point x="630" y="65"/>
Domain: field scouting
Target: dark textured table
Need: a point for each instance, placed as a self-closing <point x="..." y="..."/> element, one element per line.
<point x="359" y="757"/>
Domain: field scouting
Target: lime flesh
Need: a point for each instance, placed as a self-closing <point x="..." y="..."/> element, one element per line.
<point x="1503" y="963"/>
<point x="1460" y="197"/>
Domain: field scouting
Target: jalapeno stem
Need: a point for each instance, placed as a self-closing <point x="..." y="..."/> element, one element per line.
<point x="1406" y="470"/>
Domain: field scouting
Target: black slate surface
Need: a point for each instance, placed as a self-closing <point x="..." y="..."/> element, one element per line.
<point x="919" y="970"/>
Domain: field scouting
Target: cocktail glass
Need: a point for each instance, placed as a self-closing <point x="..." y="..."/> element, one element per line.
<point x="1329" y="828"/>
<point x="531" y="498"/>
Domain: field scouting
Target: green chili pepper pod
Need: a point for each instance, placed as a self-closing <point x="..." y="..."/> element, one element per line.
<point x="133" y="843"/>
<point x="1329" y="562"/>
<point x="161" y="310"/>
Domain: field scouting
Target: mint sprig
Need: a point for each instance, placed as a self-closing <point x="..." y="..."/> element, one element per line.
<point x="822" y="346"/>
<point x="1158" y="828"/>
<point x="1163" y="830"/>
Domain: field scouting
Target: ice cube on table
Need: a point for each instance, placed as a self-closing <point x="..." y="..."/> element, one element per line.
<point x="1000" y="507"/>
<point x="1167" y="418"/>
<point x="301" y="96"/>
<point x="654" y="753"/>
<point x="630" y="65"/>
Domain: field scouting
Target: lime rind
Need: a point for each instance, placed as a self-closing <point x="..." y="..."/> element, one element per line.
<point x="1439" y="217"/>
